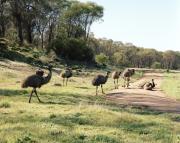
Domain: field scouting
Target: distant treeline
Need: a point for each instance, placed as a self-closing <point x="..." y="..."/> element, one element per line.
<point x="128" y="55"/>
<point x="64" y="27"/>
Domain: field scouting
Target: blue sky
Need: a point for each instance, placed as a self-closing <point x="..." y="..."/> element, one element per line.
<point x="145" y="23"/>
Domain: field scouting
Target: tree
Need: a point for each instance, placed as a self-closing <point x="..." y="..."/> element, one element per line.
<point x="169" y="58"/>
<point x="156" y="65"/>
<point x="4" y="15"/>
<point x="17" y="10"/>
<point x="79" y="17"/>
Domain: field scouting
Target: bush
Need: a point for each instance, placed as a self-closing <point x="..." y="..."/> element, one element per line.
<point x="156" y="65"/>
<point x="102" y="59"/>
<point x="5" y="105"/>
<point x="3" y="44"/>
<point x="73" y="49"/>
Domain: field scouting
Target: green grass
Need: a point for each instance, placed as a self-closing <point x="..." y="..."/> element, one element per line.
<point x="171" y="85"/>
<point x="73" y="114"/>
<point x="5" y="105"/>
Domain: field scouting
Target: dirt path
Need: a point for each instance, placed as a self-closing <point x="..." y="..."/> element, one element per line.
<point x="155" y="99"/>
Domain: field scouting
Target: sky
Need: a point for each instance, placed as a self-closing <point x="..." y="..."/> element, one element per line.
<point x="145" y="23"/>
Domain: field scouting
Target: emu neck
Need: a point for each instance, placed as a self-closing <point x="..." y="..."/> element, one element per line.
<point x="107" y="76"/>
<point x="48" y="77"/>
<point x="153" y="84"/>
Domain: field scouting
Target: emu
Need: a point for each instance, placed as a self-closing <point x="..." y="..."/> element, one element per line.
<point x="127" y="73"/>
<point x="100" y="80"/>
<point x="40" y="72"/>
<point x="149" y="85"/>
<point x="115" y="76"/>
<point x="36" y="81"/>
<point x="66" y="74"/>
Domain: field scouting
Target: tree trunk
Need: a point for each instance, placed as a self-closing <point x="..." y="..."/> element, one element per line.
<point x="50" y="34"/>
<point x="20" y="31"/>
<point x="2" y="29"/>
<point x="2" y="23"/>
<point x="42" y="40"/>
<point x="18" y="16"/>
<point x="29" y="34"/>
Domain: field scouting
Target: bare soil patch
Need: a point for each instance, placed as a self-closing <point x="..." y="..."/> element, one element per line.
<point x="156" y="99"/>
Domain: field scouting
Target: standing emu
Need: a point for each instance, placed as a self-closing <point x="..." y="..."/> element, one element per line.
<point x="100" y="80"/>
<point x="36" y="81"/>
<point x="66" y="74"/>
<point x="40" y="72"/>
<point x="115" y="76"/>
<point x="127" y="73"/>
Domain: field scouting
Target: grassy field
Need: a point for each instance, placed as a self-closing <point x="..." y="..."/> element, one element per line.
<point x="171" y="85"/>
<point x="73" y="114"/>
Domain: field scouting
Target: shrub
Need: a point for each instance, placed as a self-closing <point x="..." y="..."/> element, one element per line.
<point x="3" y="44"/>
<point x="156" y="65"/>
<point x="26" y="139"/>
<point x="52" y="116"/>
<point x="102" y="59"/>
<point x="5" y="105"/>
<point x="73" y="49"/>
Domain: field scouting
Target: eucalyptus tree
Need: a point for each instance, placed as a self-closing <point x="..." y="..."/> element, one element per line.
<point x="48" y="19"/>
<point x="17" y="13"/>
<point x="55" y="17"/>
<point x="80" y="16"/>
<point x="169" y="58"/>
<point x="4" y="16"/>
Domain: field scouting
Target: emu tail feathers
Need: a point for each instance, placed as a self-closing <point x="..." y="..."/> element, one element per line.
<point x="24" y="84"/>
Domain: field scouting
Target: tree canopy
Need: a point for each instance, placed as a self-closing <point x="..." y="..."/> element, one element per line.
<point x="65" y="27"/>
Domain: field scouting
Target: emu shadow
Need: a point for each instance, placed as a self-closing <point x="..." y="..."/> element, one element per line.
<point x="67" y="98"/>
<point x="8" y="92"/>
<point x="82" y="87"/>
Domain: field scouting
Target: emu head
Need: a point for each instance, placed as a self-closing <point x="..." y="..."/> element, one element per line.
<point x="132" y="71"/>
<point x="108" y="72"/>
<point x="69" y="69"/>
<point x="39" y="72"/>
<point x="50" y="67"/>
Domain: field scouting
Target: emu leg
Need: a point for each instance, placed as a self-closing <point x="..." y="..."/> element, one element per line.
<point x="31" y="95"/>
<point x="102" y="89"/>
<point x="96" y="90"/>
<point x="124" y="82"/>
<point x="66" y="81"/>
<point x="128" y="79"/>
<point x="115" y="83"/>
<point x="37" y="95"/>
<point x="63" y="81"/>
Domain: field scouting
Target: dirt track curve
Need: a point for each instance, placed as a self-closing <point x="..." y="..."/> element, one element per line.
<point x="155" y="99"/>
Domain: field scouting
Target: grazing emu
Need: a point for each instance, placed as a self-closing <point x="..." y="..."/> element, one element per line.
<point x="127" y="73"/>
<point x="36" y="81"/>
<point x="149" y="85"/>
<point x="115" y="76"/>
<point x="66" y="74"/>
<point x="100" y="80"/>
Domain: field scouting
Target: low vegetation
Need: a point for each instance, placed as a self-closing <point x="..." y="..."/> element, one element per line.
<point x="5" y="105"/>
<point x="64" y="28"/>
<point x="75" y="114"/>
<point x="171" y="85"/>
